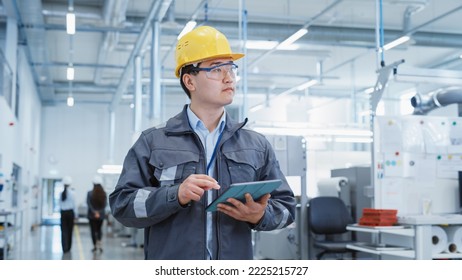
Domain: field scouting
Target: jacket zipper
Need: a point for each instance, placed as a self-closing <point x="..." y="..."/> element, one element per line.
<point x="204" y="199"/>
<point x="218" y="213"/>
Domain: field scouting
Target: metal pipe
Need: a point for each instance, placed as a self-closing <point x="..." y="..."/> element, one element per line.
<point x="138" y="96"/>
<point x="319" y="35"/>
<point x="155" y="74"/>
<point x="409" y="12"/>
<point x="378" y="33"/>
<point x="193" y="17"/>
<point x="156" y="12"/>
<point x="423" y="104"/>
<point x="306" y="25"/>
<point x="113" y="13"/>
<point x="413" y="30"/>
<point x="244" y="87"/>
<point x="111" y="147"/>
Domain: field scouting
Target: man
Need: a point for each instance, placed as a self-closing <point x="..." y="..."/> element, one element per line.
<point x="172" y="173"/>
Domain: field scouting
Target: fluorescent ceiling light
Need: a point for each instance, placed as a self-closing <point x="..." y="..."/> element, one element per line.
<point x="369" y="90"/>
<point x="308" y="84"/>
<point x="396" y="42"/>
<point x="297" y="35"/>
<point x="70" y="101"/>
<point x="256" y="108"/>
<point x="70" y="73"/>
<point x="70" y="23"/>
<point x="353" y="140"/>
<point x="279" y="131"/>
<point x="300" y="131"/>
<point x="268" y="45"/>
<point x="188" y="27"/>
<point x="112" y="166"/>
<point x="110" y="169"/>
<point x="327" y="135"/>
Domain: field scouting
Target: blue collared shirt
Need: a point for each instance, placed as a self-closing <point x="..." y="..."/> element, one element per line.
<point x="209" y="141"/>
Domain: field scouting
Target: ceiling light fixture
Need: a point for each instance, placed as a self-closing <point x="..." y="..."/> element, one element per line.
<point x="110" y="169"/>
<point x="369" y="90"/>
<point x="188" y="27"/>
<point x="268" y="45"/>
<point x="70" y="100"/>
<point x="297" y="35"/>
<point x="397" y="42"/>
<point x="257" y="107"/>
<point x="307" y="131"/>
<point x="70" y="72"/>
<point x="353" y="140"/>
<point x="308" y="84"/>
<point x="70" y="21"/>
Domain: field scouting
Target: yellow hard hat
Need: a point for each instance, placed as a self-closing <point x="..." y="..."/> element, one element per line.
<point x="201" y="44"/>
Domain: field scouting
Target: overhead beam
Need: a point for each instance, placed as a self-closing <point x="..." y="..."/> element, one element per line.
<point x="157" y="12"/>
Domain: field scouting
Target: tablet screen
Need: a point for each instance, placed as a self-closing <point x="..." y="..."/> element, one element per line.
<point x="237" y="191"/>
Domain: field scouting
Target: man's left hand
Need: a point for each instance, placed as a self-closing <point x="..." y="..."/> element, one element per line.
<point x="251" y="211"/>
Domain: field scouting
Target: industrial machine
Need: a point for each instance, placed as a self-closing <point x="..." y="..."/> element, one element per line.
<point x="290" y="242"/>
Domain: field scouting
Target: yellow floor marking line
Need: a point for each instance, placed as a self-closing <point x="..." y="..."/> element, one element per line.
<point x="79" y="242"/>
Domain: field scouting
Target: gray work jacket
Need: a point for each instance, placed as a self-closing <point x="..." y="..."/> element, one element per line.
<point x="146" y="195"/>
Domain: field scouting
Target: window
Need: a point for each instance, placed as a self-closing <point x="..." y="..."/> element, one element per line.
<point x="6" y="80"/>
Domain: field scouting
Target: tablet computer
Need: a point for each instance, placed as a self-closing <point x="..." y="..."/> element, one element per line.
<point x="238" y="190"/>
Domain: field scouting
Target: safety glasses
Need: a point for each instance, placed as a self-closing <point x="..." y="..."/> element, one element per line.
<point x="218" y="72"/>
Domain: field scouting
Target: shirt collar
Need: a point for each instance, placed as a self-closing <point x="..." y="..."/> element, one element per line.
<point x="196" y="123"/>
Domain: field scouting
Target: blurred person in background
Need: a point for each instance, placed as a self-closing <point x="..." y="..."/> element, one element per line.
<point x="96" y="202"/>
<point x="68" y="214"/>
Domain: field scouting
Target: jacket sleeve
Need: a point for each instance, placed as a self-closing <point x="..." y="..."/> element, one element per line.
<point x="138" y="200"/>
<point x="280" y="211"/>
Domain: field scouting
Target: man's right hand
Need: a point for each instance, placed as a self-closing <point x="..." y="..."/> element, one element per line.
<point x="194" y="187"/>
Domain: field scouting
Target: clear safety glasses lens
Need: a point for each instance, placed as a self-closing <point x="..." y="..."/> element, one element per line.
<point x="220" y="71"/>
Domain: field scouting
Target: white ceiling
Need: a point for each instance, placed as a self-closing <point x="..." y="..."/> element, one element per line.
<point x="341" y="39"/>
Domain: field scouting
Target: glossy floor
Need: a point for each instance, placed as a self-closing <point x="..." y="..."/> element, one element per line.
<point x="44" y="243"/>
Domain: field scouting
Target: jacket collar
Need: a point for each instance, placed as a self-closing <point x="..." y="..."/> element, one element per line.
<point x="180" y="123"/>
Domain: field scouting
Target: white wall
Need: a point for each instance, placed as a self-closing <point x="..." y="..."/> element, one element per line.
<point x="75" y="143"/>
<point x="20" y="144"/>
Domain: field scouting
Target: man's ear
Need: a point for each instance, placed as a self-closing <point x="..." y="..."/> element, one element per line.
<point x="189" y="82"/>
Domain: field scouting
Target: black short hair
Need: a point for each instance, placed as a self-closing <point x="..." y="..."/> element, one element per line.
<point x="188" y="69"/>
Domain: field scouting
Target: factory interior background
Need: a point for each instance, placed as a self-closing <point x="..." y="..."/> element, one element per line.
<point x="364" y="103"/>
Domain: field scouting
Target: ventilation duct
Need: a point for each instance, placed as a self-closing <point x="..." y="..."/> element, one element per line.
<point x="29" y="13"/>
<point x="442" y="97"/>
